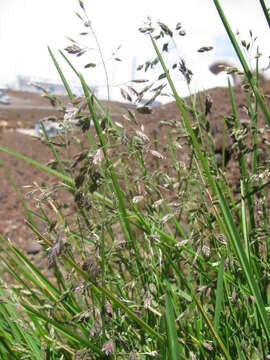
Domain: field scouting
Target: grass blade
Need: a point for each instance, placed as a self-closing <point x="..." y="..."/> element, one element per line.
<point x="265" y="11"/>
<point x="219" y="295"/>
<point x="67" y="180"/>
<point x="243" y="62"/>
<point x="239" y="249"/>
<point x="60" y="72"/>
<point x="69" y="333"/>
<point x="173" y="344"/>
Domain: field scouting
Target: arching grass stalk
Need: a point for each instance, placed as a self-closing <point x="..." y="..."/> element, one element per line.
<point x="66" y="179"/>
<point x="265" y="11"/>
<point x="89" y="24"/>
<point x="243" y="62"/>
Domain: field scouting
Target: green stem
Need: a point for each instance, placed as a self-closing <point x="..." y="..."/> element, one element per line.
<point x="243" y="62"/>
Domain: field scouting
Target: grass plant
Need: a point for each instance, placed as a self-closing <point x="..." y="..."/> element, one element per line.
<point x="158" y="261"/>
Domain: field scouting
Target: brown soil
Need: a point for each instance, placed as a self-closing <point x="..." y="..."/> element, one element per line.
<point x="26" y="108"/>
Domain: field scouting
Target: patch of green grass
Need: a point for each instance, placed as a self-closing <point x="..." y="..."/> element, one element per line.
<point x="150" y="260"/>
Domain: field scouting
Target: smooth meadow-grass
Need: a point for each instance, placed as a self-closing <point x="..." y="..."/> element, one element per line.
<point x="151" y="260"/>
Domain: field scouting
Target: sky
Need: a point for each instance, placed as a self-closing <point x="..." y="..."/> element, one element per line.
<point x="28" y="27"/>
